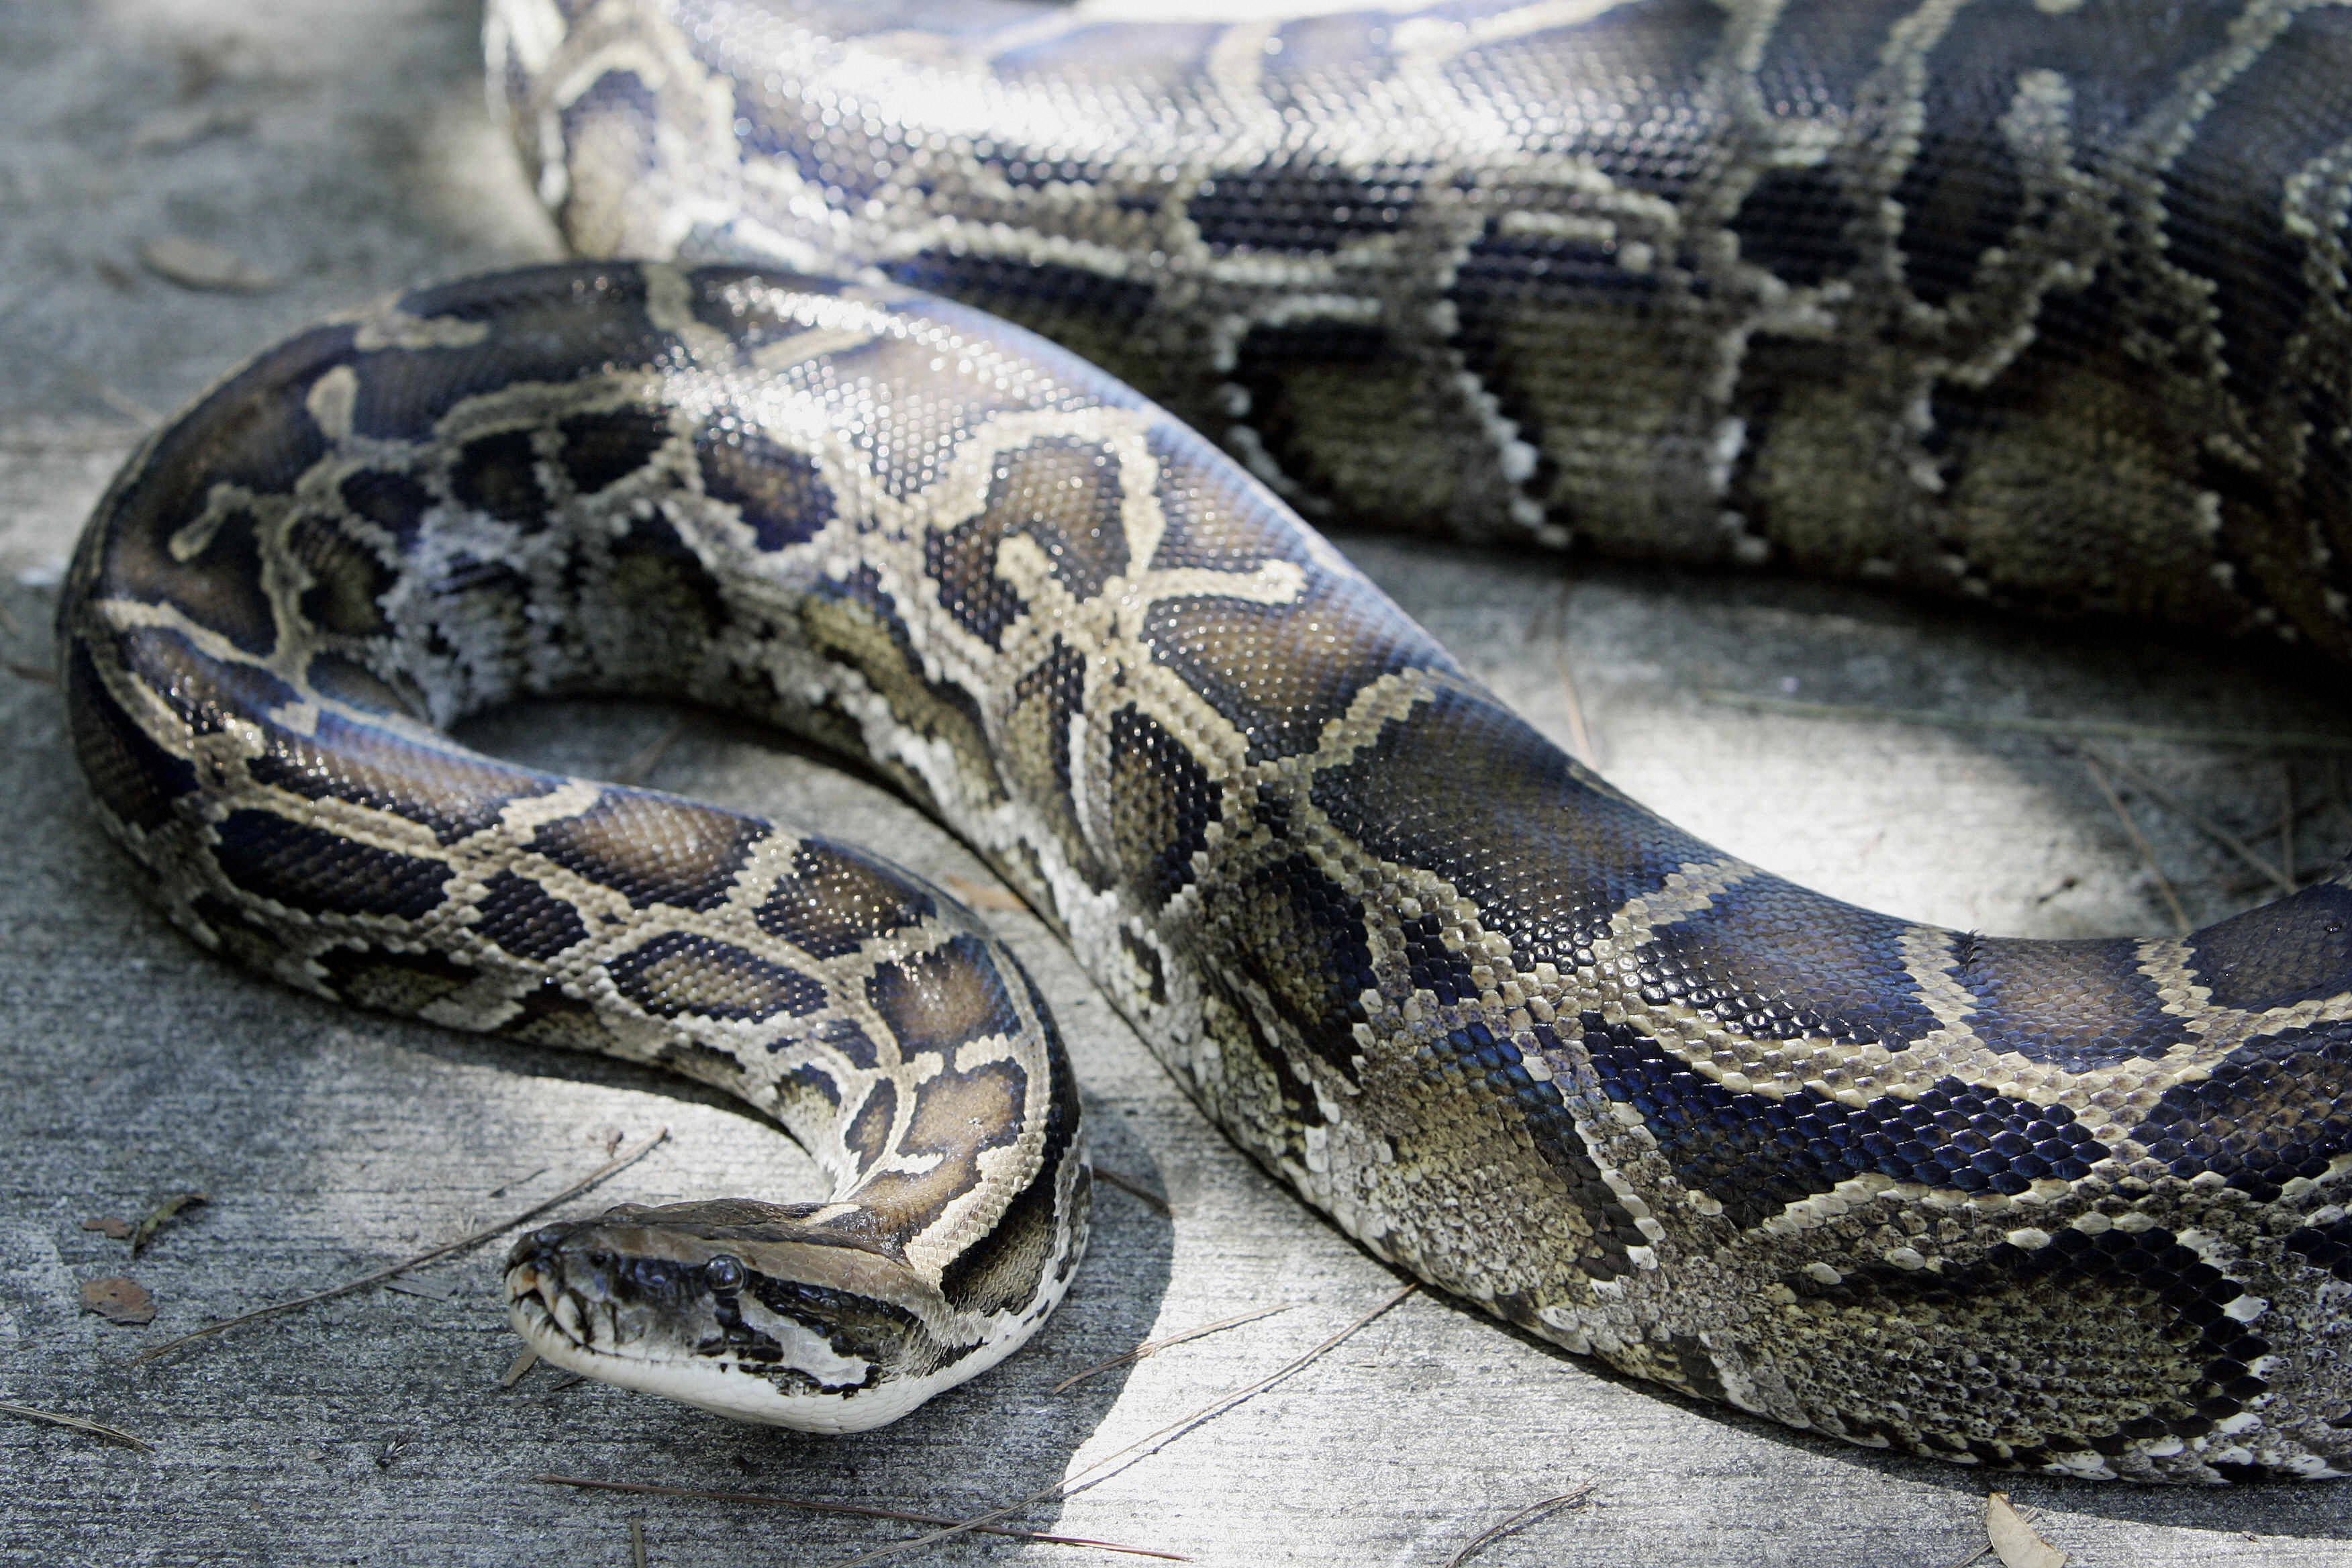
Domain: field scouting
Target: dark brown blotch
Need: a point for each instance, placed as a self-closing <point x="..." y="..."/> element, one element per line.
<point x="2282" y="953"/>
<point x="235" y="933"/>
<point x="679" y="972"/>
<point x="867" y="1136"/>
<point x="1062" y="493"/>
<point x="498" y="474"/>
<point x="1775" y="961"/>
<point x="1036" y="750"/>
<point x="526" y="919"/>
<point x="1442" y="787"/>
<point x="601" y="449"/>
<point x="452" y="793"/>
<point x="340" y="680"/>
<point x="392" y="502"/>
<point x="221" y="588"/>
<point x="253" y="437"/>
<point x="549" y="1016"/>
<point x="956" y="1116"/>
<point x="2271" y="1111"/>
<point x="202" y="691"/>
<point x="939" y="1000"/>
<point x="665" y="605"/>
<point x="1280" y="673"/>
<point x="347" y="581"/>
<point x="405" y="983"/>
<point x="778" y="492"/>
<point x="1002" y="1271"/>
<point x="314" y="868"/>
<point x="654" y="850"/>
<point x="132" y="777"/>
<point x="2080" y="1005"/>
<point x="1161" y="804"/>
<point x="1300" y="939"/>
<point x="838" y="898"/>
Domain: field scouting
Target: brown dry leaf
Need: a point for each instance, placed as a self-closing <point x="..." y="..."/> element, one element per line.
<point x="110" y="1228"/>
<point x="121" y="1300"/>
<point x="2014" y="1541"/>
<point x="982" y="894"/>
<point x="160" y="1215"/>
<point x="200" y="264"/>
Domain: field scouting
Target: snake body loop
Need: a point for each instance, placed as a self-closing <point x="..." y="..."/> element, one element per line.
<point x="1970" y="296"/>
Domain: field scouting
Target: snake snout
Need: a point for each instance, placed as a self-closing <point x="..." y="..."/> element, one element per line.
<point x="763" y="1321"/>
<point x="604" y="1288"/>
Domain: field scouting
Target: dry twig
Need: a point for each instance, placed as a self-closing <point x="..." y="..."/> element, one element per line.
<point x="519" y="1367"/>
<point x="982" y="894"/>
<point x="1135" y="1190"/>
<point x="1525" y="1515"/>
<point x="2139" y="842"/>
<point x="1142" y="1449"/>
<point x="2286" y="822"/>
<point x="1579" y="738"/>
<point x="611" y="1168"/>
<point x="128" y="406"/>
<point x="161" y="1216"/>
<point x="640" y="766"/>
<point x="2211" y="829"/>
<point x="1153" y="1347"/>
<point x="111" y="1434"/>
<point x="767" y="1501"/>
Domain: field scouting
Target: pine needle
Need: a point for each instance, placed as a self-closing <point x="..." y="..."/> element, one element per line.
<point x="111" y="1434"/>
<point x="1142" y="1449"/>
<point x="767" y="1499"/>
<point x="2139" y="841"/>
<point x="2211" y="829"/>
<point x="1525" y="1515"/>
<point x="1153" y="1347"/>
<point x="1135" y="1190"/>
<point x="612" y="1168"/>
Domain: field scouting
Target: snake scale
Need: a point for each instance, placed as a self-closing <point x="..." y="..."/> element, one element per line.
<point x="2040" y="303"/>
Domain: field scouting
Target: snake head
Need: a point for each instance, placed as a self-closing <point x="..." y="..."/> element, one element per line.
<point x="747" y="1310"/>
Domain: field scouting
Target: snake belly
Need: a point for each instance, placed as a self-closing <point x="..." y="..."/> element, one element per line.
<point x="2074" y="1206"/>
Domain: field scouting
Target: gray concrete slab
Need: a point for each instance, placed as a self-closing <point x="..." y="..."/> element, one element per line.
<point x="340" y="149"/>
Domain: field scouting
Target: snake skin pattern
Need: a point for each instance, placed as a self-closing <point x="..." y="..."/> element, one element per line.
<point x="1675" y="274"/>
<point x="2040" y="303"/>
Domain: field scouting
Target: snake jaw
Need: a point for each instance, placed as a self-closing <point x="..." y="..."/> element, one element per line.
<point x="775" y="1322"/>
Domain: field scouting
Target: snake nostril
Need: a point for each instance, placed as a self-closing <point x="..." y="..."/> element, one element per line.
<point x="549" y="1236"/>
<point x="723" y="1273"/>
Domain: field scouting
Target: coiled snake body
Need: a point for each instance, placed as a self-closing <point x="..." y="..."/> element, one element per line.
<point x="2042" y="305"/>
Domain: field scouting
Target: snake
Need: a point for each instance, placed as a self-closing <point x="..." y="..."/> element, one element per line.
<point x="951" y="384"/>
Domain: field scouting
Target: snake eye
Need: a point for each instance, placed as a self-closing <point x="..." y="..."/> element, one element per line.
<point x="722" y="1273"/>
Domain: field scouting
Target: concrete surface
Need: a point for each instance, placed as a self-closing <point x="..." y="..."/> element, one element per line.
<point x="340" y="150"/>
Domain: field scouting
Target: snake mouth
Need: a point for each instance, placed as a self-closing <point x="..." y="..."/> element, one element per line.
<point x="777" y="1332"/>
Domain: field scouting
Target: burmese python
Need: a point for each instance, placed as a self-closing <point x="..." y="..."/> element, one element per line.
<point x="2044" y="304"/>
